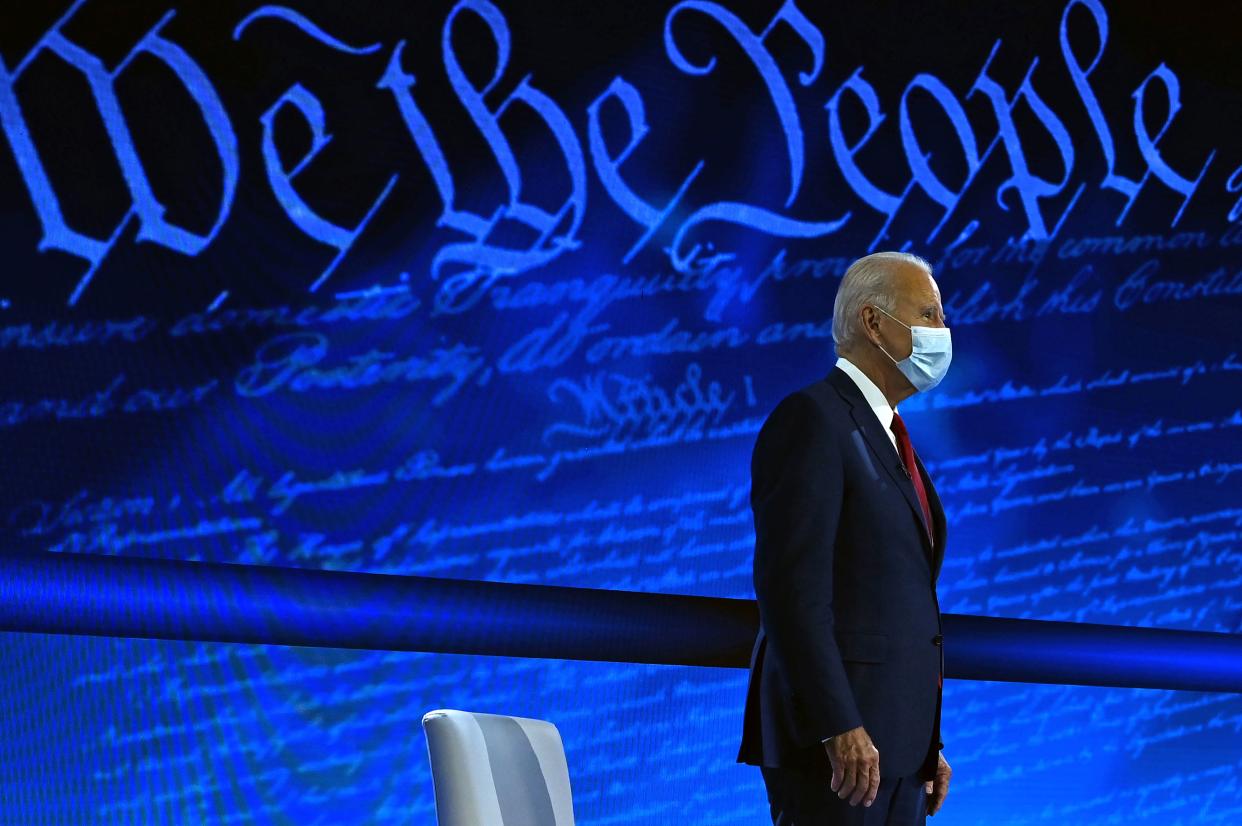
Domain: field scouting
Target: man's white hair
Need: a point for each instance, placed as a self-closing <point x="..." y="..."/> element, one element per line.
<point x="869" y="280"/>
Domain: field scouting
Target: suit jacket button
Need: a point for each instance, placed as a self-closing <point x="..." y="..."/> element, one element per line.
<point x="938" y="639"/>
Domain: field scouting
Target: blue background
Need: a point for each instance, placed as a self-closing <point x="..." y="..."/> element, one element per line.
<point x="494" y="383"/>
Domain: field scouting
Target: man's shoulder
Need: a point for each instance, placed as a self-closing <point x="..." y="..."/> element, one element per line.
<point x="814" y="405"/>
<point x="822" y="392"/>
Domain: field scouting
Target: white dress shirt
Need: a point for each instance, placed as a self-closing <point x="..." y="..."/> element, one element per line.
<point x="874" y="396"/>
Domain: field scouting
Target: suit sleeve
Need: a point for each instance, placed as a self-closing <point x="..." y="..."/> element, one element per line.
<point x="797" y="487"/>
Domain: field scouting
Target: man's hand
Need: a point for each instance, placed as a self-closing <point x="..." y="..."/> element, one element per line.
<point x="855" y="766"/>
<point x="938" y="788"/>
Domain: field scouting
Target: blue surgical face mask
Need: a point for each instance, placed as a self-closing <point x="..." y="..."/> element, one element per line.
<point x="932" y="350"/>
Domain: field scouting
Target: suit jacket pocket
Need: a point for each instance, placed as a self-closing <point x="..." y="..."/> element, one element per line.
<point x="862" y="646"/>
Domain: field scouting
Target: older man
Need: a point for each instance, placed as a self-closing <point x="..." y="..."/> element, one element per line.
<point x="843" y="707"/>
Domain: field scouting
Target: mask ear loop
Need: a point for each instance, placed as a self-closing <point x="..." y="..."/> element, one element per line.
<point x="903" y="324"/>
<point x="893" y="317"/>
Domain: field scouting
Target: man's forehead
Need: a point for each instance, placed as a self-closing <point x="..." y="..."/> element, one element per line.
<point x="914" y="284"/>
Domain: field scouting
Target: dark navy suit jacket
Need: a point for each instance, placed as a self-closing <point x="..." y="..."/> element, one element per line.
<point x="845" y="578"/>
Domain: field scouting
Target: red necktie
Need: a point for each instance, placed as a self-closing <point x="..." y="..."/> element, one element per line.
<point x="907" y="457"/>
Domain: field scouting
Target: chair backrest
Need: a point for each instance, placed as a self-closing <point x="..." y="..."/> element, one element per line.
<point x="496" y="770"/>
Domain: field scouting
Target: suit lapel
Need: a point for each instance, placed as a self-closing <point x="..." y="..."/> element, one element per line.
<point x="939" y="523"/>
<point x="887" y="456"/>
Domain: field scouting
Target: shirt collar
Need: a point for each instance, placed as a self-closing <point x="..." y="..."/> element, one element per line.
<point x="874" y="396"/>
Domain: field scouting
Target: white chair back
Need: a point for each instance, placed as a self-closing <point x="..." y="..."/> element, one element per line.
<point x="496" y="770"/>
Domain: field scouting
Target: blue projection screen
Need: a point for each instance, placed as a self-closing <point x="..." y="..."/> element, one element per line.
<point x="503" y="291"/>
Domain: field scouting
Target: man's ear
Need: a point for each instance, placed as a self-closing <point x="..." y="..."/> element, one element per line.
<point x="870" y="322"/>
